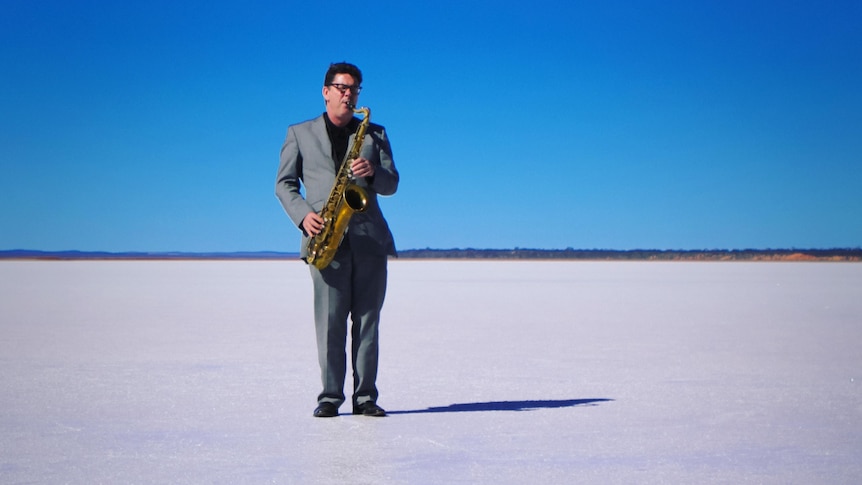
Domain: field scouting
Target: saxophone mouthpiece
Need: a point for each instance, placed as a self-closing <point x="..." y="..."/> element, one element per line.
<point x="351" y="106"/>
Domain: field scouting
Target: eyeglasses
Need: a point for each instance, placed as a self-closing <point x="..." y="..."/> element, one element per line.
<point x="344" y="87"/>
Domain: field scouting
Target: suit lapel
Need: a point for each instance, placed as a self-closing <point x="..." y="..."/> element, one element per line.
<point x="319" y="131"/>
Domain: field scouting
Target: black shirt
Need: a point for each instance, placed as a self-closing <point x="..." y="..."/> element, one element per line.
<point x="339" y="136"/>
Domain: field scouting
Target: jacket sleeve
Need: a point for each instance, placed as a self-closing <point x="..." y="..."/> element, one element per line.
<point x="288" y="180"/>
<point x="385" y="180"/>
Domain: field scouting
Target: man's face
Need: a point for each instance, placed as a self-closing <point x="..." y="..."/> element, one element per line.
<point x="339" y="95"/>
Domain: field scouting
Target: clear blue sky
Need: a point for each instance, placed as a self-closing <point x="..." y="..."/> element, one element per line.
<point x="156" y="126"/>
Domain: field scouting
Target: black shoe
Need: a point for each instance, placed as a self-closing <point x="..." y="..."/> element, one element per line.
<point x="369" y="408"/>
<point x="325" y="410"/>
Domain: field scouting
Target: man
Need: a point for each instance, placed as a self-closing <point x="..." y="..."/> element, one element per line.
<point x="354" y="283"/>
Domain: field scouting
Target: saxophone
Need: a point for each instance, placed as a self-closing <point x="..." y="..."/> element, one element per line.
<point x="345" y="198"/>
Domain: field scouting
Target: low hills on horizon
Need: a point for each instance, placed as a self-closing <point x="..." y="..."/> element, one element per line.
<point x="835" y="254"/>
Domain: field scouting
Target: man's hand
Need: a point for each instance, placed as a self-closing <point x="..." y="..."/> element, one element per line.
<point x="362" y="168"/>
<point x="312" y="224"/>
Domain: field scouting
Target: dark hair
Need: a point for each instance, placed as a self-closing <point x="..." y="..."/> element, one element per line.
<point x="342" y="68"/>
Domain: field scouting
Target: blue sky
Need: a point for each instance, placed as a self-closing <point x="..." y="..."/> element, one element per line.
<point x="156" y="126"/>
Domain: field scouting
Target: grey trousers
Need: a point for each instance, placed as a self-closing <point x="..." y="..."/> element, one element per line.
<point x="355" y="285"/>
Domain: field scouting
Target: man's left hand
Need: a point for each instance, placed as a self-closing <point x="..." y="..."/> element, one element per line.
<point x="362" y="168"/>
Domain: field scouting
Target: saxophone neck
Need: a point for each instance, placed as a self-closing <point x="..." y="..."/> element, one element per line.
<point x="364" y="110"/>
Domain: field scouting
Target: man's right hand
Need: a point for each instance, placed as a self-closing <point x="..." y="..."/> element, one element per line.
<point x="312" y="224"/>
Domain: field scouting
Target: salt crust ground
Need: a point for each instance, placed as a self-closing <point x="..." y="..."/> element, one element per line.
<point x="494" y="372"/>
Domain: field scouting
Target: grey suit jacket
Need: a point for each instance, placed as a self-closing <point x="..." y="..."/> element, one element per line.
<point x="307" y="173"/>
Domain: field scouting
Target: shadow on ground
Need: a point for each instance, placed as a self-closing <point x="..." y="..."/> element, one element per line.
<point x="504" y="406"/>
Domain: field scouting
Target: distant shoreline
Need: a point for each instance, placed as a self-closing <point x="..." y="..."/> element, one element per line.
<point x="836" y="255"/>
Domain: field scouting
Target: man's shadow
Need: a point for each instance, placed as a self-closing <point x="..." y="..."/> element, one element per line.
<point x="505" y="406"/>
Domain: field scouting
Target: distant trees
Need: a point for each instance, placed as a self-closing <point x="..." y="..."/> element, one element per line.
<point x="840" y="254"/>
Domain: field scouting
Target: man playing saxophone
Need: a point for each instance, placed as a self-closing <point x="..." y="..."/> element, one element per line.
<point x="353" y="284"/>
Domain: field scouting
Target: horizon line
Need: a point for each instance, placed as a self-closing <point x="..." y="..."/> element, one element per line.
<point x="466" y="248"/>
<point x="798" y="254"/>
